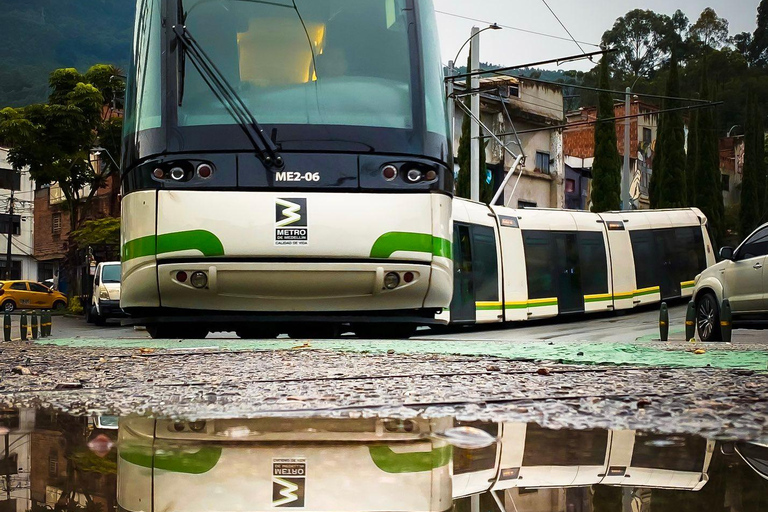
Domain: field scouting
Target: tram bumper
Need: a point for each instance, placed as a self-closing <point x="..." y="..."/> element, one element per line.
<point x="295" y="287"/>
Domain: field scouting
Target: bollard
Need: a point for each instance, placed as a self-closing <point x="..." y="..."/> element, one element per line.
<point x="725" y="320"/>
<point x="45" y="324"/>
<point x="690" y="322"/>
<point x="664" y="322"/>
<point x="7" y="327"/>
<point x="34" y="325"/>
<point x="23" y="328"/>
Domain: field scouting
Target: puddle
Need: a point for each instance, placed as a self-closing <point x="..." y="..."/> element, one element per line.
<point x="58" y="462"/>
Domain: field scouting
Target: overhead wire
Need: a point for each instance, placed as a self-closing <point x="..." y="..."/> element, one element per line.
<point x="563" y="25"/>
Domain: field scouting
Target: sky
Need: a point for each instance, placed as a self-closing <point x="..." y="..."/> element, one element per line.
<point x="585" y="19"/>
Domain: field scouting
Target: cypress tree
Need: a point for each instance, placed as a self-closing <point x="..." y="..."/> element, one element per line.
<point x="606" y="169"/>
<point x="762" y="169"/>
<point x="709" y="192"/>
<point x="750" y="212"/>
<point x="690" y="161"/>
<point x="464" y="180"/>
<point x="657" y="170"/>
<point x="671" y="189"/>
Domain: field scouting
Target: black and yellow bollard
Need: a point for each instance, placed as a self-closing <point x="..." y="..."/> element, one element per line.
<point x="45" y="324"/>
<point x="7" y="327"/>
<point x="725" y="320"/>
<point x="23" y="327"/>
<point x="690" y="322"/>
<point x="35" y="325"/>
<point x="664" y="322"/>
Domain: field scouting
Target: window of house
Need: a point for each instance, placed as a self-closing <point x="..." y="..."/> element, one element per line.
<point x="10" y="179"/>
<point x="53" y="463"/>
<point x="570" y="186"/>
<point x="542" y="162"/>
<point x="56" y="223"/>
<point x="15" y="223"/>
<point x="525" y="204"/>
<point x="647" y="136"/>
<point x="726" y="183"/>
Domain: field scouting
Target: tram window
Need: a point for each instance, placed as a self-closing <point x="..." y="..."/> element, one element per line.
<point x="545" y="447"/>
<point x="539" y="264"/>
<point x="654" y="451"/>
<point x="594" y="264"/>
<point x="145" y="75"/>
<point x="645" y="257"/>
<point x="485" y="264"/>
<point x="468" y="461"/>
<point x="304" y="62"/>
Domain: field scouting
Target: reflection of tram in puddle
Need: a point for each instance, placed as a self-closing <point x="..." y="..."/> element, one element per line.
<point x="532" y="457"/>
<point x="313" y="465"/>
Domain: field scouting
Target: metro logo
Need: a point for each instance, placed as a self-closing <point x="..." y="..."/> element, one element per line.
<point x="291" y="221"/>
<point x="288" y="492"/>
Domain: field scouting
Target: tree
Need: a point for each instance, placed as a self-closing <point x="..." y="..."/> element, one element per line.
<point x="671" y="190"/>
<point x="641" y="38"/>
<point x="657" y="170"/>
<point x="606" y="169"/>
<point x="710" y="31"/>
<point x="690" y="160"/>
<point x="708" y="184"/>
<point x="55" y="139"/>
<point x="464" y="180"/>
<point x="758" y="44"/>
<point x="751" y="209"/>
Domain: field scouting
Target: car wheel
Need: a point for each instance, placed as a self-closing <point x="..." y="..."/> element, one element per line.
<point x="9" y="306"/>
<point x="99" y="320"/>
<point x="89" y="315"/>
<point x="59" y="306"/>
<point x="708" y="318"/>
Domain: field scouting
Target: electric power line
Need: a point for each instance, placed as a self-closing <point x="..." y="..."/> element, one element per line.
<point x="543" y="34"/>
<point x="563" y="25"/>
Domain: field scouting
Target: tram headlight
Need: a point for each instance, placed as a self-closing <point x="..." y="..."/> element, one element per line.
<point x="391" y="281"/>
<point x="177" y="174"/>
<point x="414" y="175"/>
<point x="198" y="280"/>
<point x="204" y="171"/>
<point x="158" y="173"/>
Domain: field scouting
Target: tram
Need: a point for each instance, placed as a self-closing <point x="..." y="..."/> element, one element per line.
<point x="515" y="265"/>
<point x="286" y="162"/>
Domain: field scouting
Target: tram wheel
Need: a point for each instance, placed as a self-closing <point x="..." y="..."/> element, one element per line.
<point x="384" y="331"/>
<point x="192" y="332"/>
<point x="257" y="332"/>
<point x="316" y="331"/>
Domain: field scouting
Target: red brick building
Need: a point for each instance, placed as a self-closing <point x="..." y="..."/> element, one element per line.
<point x="579" y="142"/>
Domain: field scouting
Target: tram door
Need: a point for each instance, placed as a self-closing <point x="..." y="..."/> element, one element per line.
<point x="567" y="272"/>
<point x="463" y="303"/>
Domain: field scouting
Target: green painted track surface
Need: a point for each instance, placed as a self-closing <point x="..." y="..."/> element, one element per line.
<point x="639" y="354"/>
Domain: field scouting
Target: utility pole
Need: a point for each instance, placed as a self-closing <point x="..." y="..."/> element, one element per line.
<point x="474" y="49"/>
<point x="626" y="200"/>
<point x="450" y="103"/>
<point x="10" y="235"/>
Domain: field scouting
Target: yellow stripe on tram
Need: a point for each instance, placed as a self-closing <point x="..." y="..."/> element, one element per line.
<point x="647" y="291"/>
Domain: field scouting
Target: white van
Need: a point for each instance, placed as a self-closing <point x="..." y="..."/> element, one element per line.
<point x="105" y="296"/>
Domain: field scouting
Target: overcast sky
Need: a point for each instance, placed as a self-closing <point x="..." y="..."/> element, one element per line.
<point x="585" y="19"/>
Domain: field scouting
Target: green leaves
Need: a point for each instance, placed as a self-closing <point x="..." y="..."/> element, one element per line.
<point x="606" y="169"/>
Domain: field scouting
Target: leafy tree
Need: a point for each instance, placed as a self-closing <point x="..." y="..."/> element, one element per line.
<point x="671" y="191"/>
<point x="758" y="43"/>
<point x="657" y="170"/>
<point x="640" y="37"/>
<point x="105" y="231"/>
<point x="710" y="31"/>
<point x="606" y="169"/>
<point x="55" y="139"/>
<point x="690" y="160"/>
<point x="708" y="188"/>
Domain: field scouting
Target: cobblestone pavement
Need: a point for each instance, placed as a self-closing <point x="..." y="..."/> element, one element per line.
<point x="179" y="379"/>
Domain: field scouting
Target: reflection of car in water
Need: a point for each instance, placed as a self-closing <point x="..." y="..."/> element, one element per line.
<point x="755" y="455"/>
<point x="319" y="465"/>
<point x="530" y="456"/>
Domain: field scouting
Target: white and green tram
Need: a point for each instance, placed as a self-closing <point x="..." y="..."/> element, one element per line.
<point x="285" y="162"/>
<point x="362" y="465"/>
<point x="513" y="265"/>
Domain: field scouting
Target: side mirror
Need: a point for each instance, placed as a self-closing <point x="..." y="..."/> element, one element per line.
<point x="726" y="253"/>
<point x="96" y="281"/>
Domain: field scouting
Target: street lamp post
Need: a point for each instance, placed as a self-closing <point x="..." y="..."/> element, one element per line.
<point x="474" y="85"/>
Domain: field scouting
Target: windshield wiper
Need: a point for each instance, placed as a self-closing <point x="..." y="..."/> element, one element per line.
<point x="224" y="92"/>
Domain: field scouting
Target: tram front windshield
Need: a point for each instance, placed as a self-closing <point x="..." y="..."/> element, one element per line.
<point x="323" y="62"/>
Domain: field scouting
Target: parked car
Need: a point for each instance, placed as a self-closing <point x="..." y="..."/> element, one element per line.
<point x="741" y="278"/>
<point x="28" y="294"/>
<point x="105" y="296"/>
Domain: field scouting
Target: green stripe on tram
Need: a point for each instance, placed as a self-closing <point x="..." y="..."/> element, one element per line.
<point x="389" y="243"/>
<point x="198" y="240"/>
<point x="173" y="460"/>
<point x="410" y="462"/>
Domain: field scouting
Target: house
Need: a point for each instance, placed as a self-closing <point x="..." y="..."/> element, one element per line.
<point x="21" y="222"/>
<point x="731" y="168"/>
<point x="579" y="147"/>
<point x="526" y="115"/>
